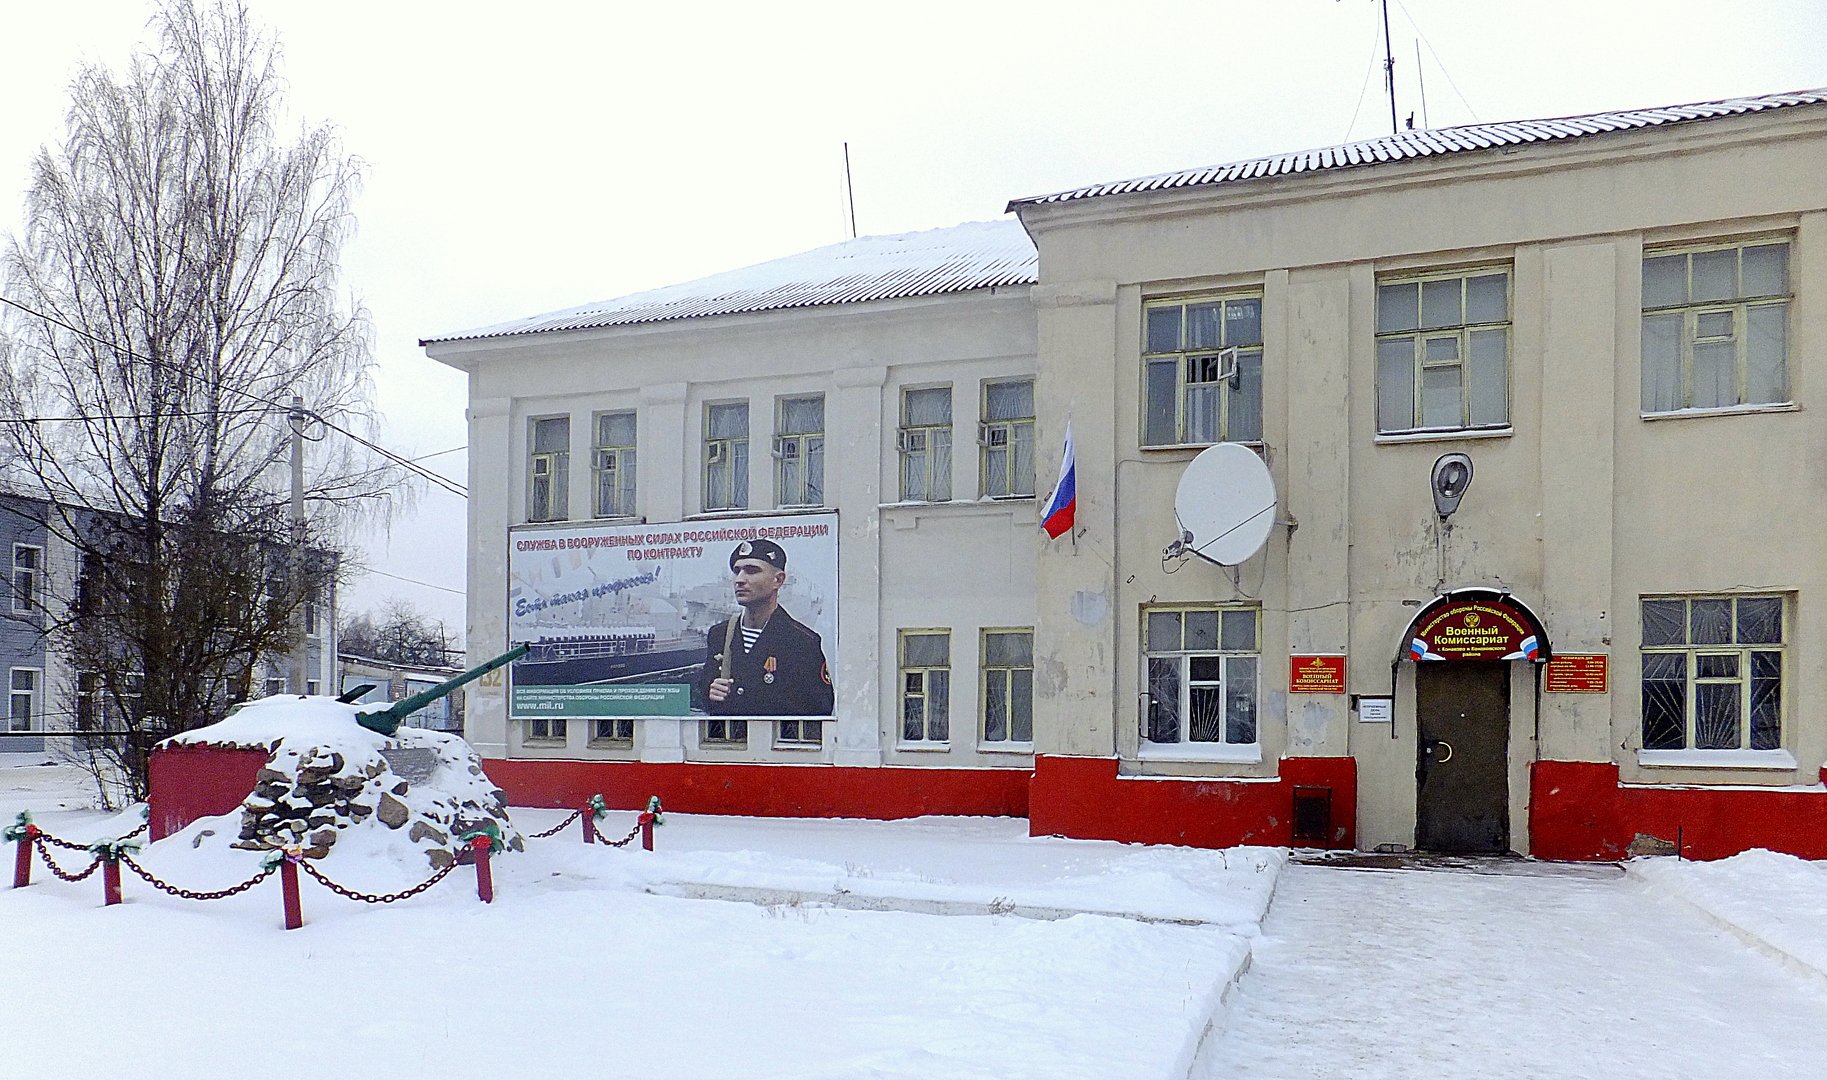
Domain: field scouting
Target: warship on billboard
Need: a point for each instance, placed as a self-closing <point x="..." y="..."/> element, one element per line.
<point x="620" y="654"/>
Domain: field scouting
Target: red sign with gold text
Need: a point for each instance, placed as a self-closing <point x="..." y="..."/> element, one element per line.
<point x="1476" y="630"/>
<point x="1316" y="675"/>
<point x="1578" y="673"/>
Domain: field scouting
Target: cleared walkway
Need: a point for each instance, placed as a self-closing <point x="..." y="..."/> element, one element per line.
<point x="1389" y="973"/>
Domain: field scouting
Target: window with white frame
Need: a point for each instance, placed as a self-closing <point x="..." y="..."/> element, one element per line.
<point x="549" y="469"/>
<point x="1713" y="672"/>
<point x="1202" y="665"/>
<point x="1715" y="326"/>
<point x="1202" y="371"/>
<point x="926" y="685"/>
<point x="1443" y="351"/>
<point x="619" y="732"/>
<point x="1007" y="677"/>
<point x="726" y="456"/>
<point x="925" y="437"/>
<point x="615" y="464"/>
<point x="799" y="451"/>
<point x="311" y="625"/>
<point x="27" y="706"/>
<point x="28" y="577"/>
<point x="1006" y="439"/>
<point x="546" y="730"/>
<point x="275" y="685"/>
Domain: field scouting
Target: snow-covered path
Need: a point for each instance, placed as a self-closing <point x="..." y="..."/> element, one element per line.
<point x="1373" y="974"/>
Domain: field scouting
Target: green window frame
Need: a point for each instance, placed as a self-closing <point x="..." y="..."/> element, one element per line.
<point x="1716" y="325"/>
<point x="1713" y="672"/>
<point x="614" y="732"/>
<point x="925" y="667"/>
<point x="1443" y="350"/>
<point x="1005" y="439"/>
<point x="1005" y="711"/>
<point x="925" y="442"/>
<point x="1202" y="370"/>
<point x="549" y="468"/>
<point x="1202" y="666"/>
<point x="726" y="456"/>
<point x="799" y="450"/>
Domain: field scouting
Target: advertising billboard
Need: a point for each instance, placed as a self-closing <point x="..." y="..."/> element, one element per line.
<point x="730" y="616"/>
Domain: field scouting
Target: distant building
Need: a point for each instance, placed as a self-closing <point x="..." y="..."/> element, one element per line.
<point x="47" y="700"/>
<point x="1618" y="318"/>
<point x="392" y="682"/>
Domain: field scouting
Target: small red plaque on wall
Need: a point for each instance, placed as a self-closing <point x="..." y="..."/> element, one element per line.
<point x="1577" y="673"/>
<point x="1316" y="675"/>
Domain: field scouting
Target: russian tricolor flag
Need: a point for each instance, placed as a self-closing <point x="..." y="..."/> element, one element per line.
<point x="1062" y="509"/>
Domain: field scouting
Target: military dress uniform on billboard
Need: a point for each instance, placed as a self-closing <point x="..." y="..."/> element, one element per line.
<point x="783" y="674"/>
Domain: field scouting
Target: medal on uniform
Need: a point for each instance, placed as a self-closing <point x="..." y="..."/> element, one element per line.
<point x="767" y="668"/>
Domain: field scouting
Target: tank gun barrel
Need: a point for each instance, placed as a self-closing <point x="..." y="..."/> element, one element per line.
<point x="387" y="721"/>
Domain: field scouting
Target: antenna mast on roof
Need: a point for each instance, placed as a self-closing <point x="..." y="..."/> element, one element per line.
<point x="1389" y="71"/>
<point x="849" y="193"/>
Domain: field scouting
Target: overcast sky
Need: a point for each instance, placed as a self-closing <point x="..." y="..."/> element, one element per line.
<point x="524" y="158"/>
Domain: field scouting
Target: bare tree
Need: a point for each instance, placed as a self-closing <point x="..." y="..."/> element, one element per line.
<point x="399" y="634"/>
<point x="174" y="286"/>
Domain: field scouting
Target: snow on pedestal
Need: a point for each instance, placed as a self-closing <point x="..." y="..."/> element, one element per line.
<point x="328" y="780"/>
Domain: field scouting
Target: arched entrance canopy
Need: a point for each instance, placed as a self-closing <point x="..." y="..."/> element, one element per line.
<point x="1475" y="624"/>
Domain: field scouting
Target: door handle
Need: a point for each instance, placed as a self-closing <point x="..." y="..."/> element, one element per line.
<point x="1438" y="743"/>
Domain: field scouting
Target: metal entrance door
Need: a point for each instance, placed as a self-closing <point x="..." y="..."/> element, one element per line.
<point x="1462" y="712"/>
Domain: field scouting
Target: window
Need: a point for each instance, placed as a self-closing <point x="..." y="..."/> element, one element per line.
<point x="547" y="731"/>
<point x="312" y="687"/>
<point x="376" y="684"/>
<point x="726" y="456"/>
<point x="100" y="709"/>
<point x="88" y="584"/>
<point x="28" y="576"/>
<point x="549" y="471"/>
<point x="1716" y="326"/>
<point x="1006" y="437"/>
<point x="28" y="683"/>
<point x="799" y="451"/>
<point x="800" y="733"/>
<point x="926" y="686"/>
<point x="1008" y="686"/>
<point x="435" y="715"/>
<point x="1713" y="673"/>
<point x="1443" y="349"/>
<point x="310" y="619"/>
<point x="1202" y="371"/>
<point x="723" y="732"/>
<point x="620" y="732"/>
<point x="615" y="464"/>
<point x="926" y="444"/>
<point x="274" y="686"/>
<point x="1202" y="670"/>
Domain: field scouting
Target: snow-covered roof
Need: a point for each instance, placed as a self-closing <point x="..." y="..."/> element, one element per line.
<point x="976" y="255"/>
<point x="1410" y="145"/>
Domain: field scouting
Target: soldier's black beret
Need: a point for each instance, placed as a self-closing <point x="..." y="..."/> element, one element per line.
<point x="766" y="550"/>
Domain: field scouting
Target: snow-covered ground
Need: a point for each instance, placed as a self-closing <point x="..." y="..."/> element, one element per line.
<point x="938" y="948"/>
<point x="601" y="962"/>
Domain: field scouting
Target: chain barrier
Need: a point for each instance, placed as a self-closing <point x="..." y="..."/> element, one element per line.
<point x="558" y="828"/>
<point x="623" y="842"/>
<point x="370" y="898"/>
<point x="144" y="827"/>
<point x="191" y="894"/>
<point x="56" y="842"/>
<point x="45" y="854"/>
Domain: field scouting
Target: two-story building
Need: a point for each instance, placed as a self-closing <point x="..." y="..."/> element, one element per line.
<point x="1616" y="318"/>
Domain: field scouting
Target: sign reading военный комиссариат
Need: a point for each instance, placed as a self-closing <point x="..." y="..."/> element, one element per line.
<point x="620" y="619"/>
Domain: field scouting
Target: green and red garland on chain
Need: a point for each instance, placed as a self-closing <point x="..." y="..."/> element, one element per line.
<point x="652" y="814"/>
<point x="21" y="828"/>
<point x="487" y="830"/>
<point x="110" y="849"/>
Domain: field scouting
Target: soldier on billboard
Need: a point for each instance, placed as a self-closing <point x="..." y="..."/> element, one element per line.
<point x="764" y="662"/>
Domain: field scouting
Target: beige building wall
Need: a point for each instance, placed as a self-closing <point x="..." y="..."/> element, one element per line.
<point x="966" y="564"/>
<point x="1580" y="508"/>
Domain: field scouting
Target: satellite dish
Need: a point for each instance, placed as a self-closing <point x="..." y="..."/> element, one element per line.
<point x="1225" y="504"/>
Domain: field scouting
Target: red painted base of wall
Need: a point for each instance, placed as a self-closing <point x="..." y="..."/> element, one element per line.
<point x="765" y="790"/>
<point x="190" y="782"/>
<point x="1579" y="810"/>
<point x="1085" y="798"/>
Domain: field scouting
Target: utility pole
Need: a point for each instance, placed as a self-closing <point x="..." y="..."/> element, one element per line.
<point x="1389" y="71"/>
<point x="300" y="654"/>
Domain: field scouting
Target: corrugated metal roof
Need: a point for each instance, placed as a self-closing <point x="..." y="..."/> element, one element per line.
<point x="1410" y="145"/>
<point x="977" y="255"/>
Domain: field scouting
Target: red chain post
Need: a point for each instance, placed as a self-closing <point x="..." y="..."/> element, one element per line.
<point x="22" y="863"/>
<point x="647" y="831"/>
<point x="288" y="887"/>
<point x="485" y="879"/>
<point x="111" y="880"/>
<point x="589" y="824"/>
